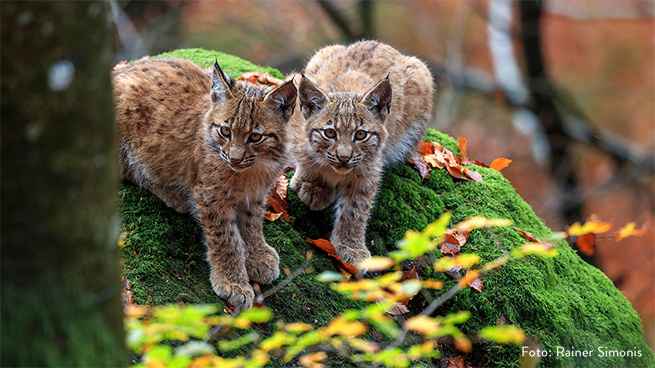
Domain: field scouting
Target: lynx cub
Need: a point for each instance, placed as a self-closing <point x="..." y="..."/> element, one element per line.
<point x="349" y="127"/>
<point x="211" y="147"/>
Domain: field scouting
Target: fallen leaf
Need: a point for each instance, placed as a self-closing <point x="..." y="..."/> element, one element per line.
<point x="586" y="243"/>
<point x="420" y="164"/>
<point x="397" y="309"/>
<point x="456" y="362"/>
<point x="259" y="77"/>
<point x="629" y="230"/>
<point x="500" y="163"/>
<point x="471" y="279"/>
<point x="532" y="238"/>
<point x="345" y="268"/>
<point x="454" y="241"/>
<point x="277" y="202"/>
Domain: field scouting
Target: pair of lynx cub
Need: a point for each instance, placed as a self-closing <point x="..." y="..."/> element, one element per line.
<point x="214" y="147"/>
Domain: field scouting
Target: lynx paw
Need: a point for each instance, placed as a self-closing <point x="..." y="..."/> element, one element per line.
<point x="352" y="255"/>
<point x="239" y="295"/>
<point x="263" y="265"/>
<point x="317" y="197"/>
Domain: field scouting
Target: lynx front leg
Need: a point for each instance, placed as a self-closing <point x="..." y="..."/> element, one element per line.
<point x="262" y="261"/>
<point x="351" y="214"/>
<point x="226" y="252"/>
<point x="315" y="193"/>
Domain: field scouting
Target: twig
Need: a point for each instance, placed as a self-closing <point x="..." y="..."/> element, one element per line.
<point x="260" y="298"/>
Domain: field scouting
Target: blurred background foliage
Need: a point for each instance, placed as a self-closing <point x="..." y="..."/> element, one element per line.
<point x="580" y="130"/>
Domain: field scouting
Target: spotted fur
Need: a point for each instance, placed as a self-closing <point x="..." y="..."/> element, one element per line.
<point x="212" y="147"/>
<point x="362" y="107"/>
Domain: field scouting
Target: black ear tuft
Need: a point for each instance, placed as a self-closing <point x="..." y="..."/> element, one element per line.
<point x="283" y="99"/>
<point x="221" y="85"/>
<point x="311" y="98"/>
<point x="378" y="99"/>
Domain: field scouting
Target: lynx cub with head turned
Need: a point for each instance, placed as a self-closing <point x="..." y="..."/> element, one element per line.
<point x="363" y="107"/>
<point x="212" y="147"/>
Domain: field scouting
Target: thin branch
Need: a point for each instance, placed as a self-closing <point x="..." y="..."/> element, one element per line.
<point x="260" y="298"/>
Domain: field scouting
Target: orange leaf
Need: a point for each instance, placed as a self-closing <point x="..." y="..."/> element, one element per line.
<point x="257" y="77"/>
<point x="629" y="230"/>
<point x="500" y="163"/>
<point x="471" y="279"/>
<point x="586" y="244"/>
<point x="462" y="143"/>
<point x="325" y="245"/>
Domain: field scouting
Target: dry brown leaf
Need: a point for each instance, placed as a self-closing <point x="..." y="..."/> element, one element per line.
<point x="532" y="238"/>
<point x="397" y="309"/>
<point x="454" y="241"/>
<point x="277" y="200"/>
<point x="420" y="164"/>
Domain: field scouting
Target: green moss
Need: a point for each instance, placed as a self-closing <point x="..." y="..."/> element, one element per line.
<point x="561" y="301"/>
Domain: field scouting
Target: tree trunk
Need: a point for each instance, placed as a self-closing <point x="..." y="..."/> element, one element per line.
<point x="543" y="105"/>
<point x="60" y="272"/>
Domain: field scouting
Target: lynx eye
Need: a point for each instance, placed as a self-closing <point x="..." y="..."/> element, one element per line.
<point x="225" y="131"/>
<point x="330" y="133"/>
<point x="360" y="134"/>
<point x="255" y="137"/>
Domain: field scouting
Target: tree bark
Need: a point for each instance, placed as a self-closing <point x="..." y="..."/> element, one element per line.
<point x="543" y="105"/>
<point x="60" y="271"/>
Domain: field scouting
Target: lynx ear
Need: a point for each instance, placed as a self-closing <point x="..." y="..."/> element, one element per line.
<point x="378" y="99"/>
<point x="312" y="99"/>
<point x="221" y="85"/>
<point x="283" y="99"/>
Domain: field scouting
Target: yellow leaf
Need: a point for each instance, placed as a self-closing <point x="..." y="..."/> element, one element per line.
<point x="433" y="284"/>
<point x="298" y="327"/>
<point x="423" y="325"/>
<point x="376" y="263"/>
<point x="629" y="230"/>
<point x="341" y="327"/>
<point x="592" y="225"/>
<point x="479" y="221"/>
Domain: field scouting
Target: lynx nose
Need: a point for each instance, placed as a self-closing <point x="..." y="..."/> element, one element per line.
<point x="343" y="159"/>
<point x="235" y="161"/>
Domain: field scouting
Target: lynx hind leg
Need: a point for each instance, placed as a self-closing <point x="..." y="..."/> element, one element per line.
<point x="316" y="196"/>
<point x="173" y="197"/>
<point x="262" y="261"/>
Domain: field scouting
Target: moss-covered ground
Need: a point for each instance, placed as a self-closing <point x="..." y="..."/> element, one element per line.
<point x="559" y="302"/>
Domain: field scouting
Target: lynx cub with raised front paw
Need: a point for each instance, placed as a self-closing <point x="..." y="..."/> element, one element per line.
<point x="362" y="107"/>
<point x="212" y="147"/>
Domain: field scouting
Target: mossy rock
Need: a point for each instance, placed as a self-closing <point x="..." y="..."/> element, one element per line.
<point x="559" y="302"/>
